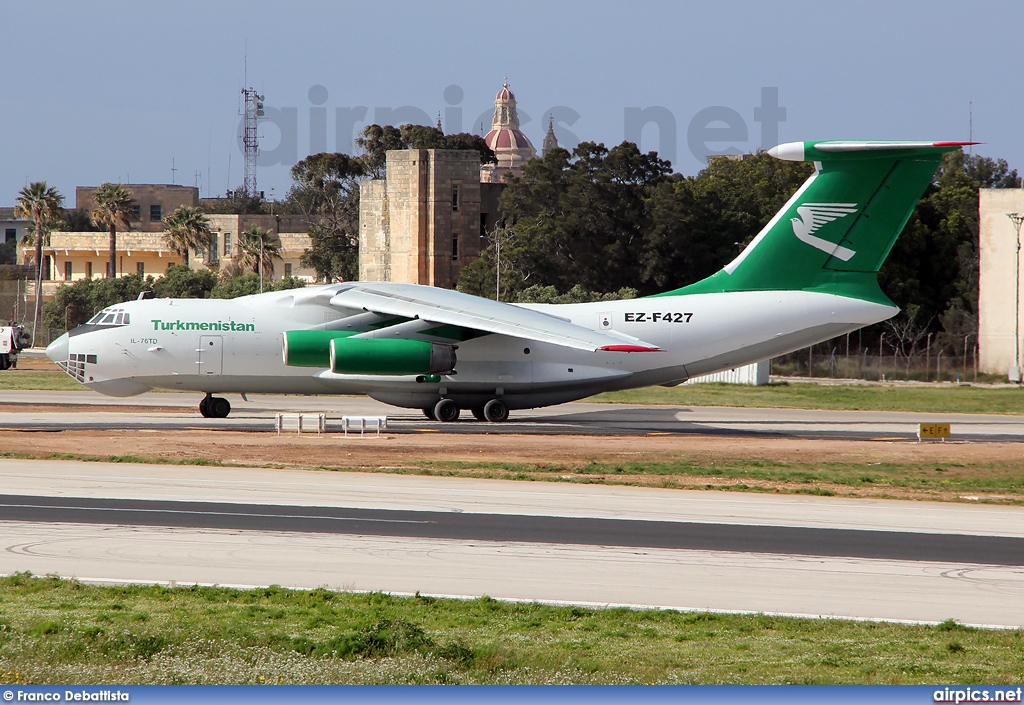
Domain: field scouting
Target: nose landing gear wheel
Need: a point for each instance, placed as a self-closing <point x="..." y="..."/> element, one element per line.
<point x="446" y="410"/>
<point x="496" y="411"/>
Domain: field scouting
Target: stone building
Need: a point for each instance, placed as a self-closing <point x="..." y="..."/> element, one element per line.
<point x="83" y="255"/>
<point x="13" y="228"/>
<point x="999" y="278"/>
<point x="152" y="202"/>
<point x="423" y="222"/>
<point x="143" y="249"/>
<point x="80" y="255"/>
<point x="223" y="250"/>
<point x="432" y="213"/>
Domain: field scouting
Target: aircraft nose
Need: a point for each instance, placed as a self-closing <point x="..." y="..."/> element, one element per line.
<point x="58" y="349"/>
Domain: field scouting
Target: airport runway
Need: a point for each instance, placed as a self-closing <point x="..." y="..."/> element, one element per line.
<point x="55" y="410"/>
<point x="992" y="550"/>
<point x="874" y="559"/>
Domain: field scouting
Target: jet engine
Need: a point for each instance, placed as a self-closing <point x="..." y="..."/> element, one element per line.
<point x="309" y="348"/>
<point x="390" y="356"/>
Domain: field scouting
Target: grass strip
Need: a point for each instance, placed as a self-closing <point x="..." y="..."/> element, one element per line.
<point x="821" y="477"/>
<point x="63" y="631"/>
<point x="1001" y="482"/>
<point x="142" y="459"/>
<point x="46" y="380"/>
<point x="949" y="399"/>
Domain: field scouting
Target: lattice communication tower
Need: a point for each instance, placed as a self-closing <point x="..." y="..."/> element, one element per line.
<point x="250" y="138"/>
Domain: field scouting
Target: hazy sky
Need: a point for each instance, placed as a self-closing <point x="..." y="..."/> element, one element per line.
<point x="109" y="91"/>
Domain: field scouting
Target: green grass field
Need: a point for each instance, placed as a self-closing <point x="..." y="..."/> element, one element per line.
<point x="991" y="482"/>
<point x="924" y="479"/>
<point x="50" y="380"/>
<point x="57" y="631"/>
<point x="949" y="399"/>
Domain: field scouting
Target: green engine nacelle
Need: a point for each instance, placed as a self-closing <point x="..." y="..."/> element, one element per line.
<point x="310" y="348"/>
<point x="390" y="356"/>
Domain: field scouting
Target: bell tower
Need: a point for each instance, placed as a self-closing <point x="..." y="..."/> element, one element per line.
<point x="509" y="144"/>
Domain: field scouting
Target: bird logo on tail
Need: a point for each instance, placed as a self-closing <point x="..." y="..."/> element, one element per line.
<point x="812" y="217"/>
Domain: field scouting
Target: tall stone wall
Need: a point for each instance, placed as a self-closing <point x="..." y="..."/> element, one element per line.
<point x="453" y="215"/>
<point x="421" y="224"/>
<point x="374" y="243"/>
<point x="998" y="277"/>
<point x="408" y="172"/>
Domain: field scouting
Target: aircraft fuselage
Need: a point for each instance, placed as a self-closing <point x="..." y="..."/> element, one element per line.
<point x="235" y="346"/>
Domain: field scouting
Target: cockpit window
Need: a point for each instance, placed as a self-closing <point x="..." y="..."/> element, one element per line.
<point x="110" y="317"/>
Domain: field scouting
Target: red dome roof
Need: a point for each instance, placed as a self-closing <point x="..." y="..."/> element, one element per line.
<point x="505" y="139"/>
<point x="505" y="94"/>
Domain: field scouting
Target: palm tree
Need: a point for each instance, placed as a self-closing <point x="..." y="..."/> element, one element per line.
<point x="42" y="204"/>
<point x="187" y="229"/>
<point x="256" y="246"/>
<point x="230" y="271"/>
<point x="113" y="206"/>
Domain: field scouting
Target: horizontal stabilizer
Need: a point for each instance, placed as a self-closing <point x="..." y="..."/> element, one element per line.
<point x="850" y="149"/>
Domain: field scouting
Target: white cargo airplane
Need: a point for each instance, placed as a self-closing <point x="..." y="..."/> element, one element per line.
<point x="809" y="275"/>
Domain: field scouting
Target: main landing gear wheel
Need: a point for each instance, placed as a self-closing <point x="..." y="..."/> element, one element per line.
<point x="496" y="411"/>
<point x="478" y="413"/>
<point x="429" y="413"/>
<point x="212" y="407"/>
<point x="446" y="410"/>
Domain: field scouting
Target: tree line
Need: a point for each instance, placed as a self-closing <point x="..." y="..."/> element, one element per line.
<point x="603" y="219"/>
<point x="77" y="302"/>
<point x="603" y="222"/>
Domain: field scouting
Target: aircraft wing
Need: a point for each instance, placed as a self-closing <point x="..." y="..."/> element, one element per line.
<point x="454" y="308"/>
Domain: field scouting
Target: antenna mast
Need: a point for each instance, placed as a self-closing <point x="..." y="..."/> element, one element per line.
<point x="253" y="111"/>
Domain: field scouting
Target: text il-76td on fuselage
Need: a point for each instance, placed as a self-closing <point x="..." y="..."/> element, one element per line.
<point x="809" y="275"/>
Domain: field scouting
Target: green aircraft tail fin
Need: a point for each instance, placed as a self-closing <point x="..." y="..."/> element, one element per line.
<point x="836" y="231"/>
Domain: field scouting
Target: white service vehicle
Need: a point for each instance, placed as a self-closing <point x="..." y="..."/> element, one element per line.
<point x="13" y="339"/>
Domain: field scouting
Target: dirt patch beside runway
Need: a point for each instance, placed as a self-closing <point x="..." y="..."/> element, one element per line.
<point x="10" y="407"/>
<point x="853" y="468"/>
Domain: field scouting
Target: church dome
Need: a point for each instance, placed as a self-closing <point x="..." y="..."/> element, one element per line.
<point x="506" y="140"/>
